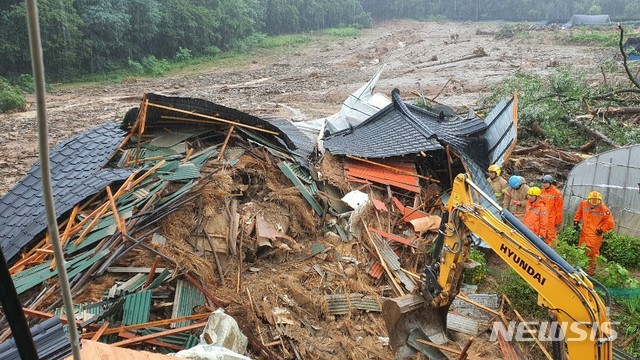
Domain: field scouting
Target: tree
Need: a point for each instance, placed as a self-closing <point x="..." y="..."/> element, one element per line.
<point x="106" y="25"/>
<point x="62" y="43"/>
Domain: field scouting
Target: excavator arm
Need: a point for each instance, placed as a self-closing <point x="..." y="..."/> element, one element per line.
<point x="566" y="291"/>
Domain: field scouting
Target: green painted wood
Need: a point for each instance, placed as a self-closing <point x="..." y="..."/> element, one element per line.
<point x="184" y="171"/>
<point x="160" y="279"/>
<point x="187" y="298"/>
<point x="285" y="168"/>
<point x="74" y="267"/>
<point x="136" y="308"/>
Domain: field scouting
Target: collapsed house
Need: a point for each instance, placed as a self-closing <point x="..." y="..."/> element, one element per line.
<point x="616" y="175"/>
<point x="169" y="215"/>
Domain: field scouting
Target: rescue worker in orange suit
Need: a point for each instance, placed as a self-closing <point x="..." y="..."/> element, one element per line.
<point x="553" y="199"/>
<point x="498" y="183"/>
<point x="536" y="216"/>
<point x="515" y="197"/>
<point x="596" y="220"/>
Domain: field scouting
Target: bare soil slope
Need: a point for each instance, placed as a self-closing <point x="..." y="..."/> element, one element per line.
<point x="311" y="81"/>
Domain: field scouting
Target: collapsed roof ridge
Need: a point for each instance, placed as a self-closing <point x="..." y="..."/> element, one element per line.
<point x="399" y="104"/>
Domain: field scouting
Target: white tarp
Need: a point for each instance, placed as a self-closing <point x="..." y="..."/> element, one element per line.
<point x="588" y="20"/>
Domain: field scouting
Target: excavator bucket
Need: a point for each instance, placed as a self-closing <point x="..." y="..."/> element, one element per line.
<point x="409" y="317"/>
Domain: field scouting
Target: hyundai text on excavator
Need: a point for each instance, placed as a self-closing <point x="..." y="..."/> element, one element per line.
<point x="566" y="291"/>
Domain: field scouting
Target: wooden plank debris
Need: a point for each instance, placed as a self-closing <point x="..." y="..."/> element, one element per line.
<point x="144" y="338"/>
<point x="91" y="350"/>
<point x="526" y="325"/>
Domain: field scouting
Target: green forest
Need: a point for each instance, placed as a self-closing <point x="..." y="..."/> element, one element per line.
<point x="83" y="37"/>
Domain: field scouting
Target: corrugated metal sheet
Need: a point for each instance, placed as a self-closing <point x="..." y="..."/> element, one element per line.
<point x="382" y="175"/>
<point x="462" y="324"/>
<point x="405" y="211"/>
<point x="376" y="270"/>
<point x="128" y="286"/>
<point x="31" y="277"/>
<point x="184" y="171"/>
<point x="616" y="175"/>
<point x="502" y="130"/>
<point x="187" y="298"/>
<point x="339" y="304"/>
<point x="288" y="172"/>
<point x="160" y="279"/>
<point x="391" y="259"/>
<point x="392" y="237"/>
<point x="136" y="308"/>
<point x="431" y="352"/>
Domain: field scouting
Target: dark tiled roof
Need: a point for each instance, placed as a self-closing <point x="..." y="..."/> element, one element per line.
<point x="49" y="338"/>
<point x="76" y="171"/>
<point x="401" y="129"/>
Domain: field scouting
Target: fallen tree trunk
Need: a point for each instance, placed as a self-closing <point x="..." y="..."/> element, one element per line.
<point x="616" y="110"/>
<point x="527" y="150"/>
<point x="593" y="132"/>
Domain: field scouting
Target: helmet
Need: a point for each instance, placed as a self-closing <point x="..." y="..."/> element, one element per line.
<point x="594" y="198"/>
<point x="547" y="179"/>
<point x="496" y="169"/>
<point x="535" y="191"/>
<point x="515" y="181"/>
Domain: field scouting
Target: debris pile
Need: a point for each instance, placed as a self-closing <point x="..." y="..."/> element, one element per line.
<point x="188" y="207"/>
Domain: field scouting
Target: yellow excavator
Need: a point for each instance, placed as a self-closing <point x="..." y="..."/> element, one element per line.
<point x="566" y="291"/>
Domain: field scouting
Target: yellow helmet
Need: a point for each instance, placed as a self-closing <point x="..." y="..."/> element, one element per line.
<point x="496" y="169"/>
<point x="594" y="198"/>
<point x="535" y="191"/>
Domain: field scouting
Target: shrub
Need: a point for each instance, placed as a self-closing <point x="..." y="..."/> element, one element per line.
<point x="613" y="275"/>
<point x="135" y="66"/>
<point x="154" y="66"/>
<point x="252" y="42"/>
<point x="475" y="275"/>
<point x="523" y="297"/>
<point x="183" y="54"/>
<point x="572" y="254"/>
<point x="569" y="235"/>
<point x="212" y="51"/>
<point x="341" y="32"/>
<point x="26" y="83"/>
<point x="622" y="249"/>
<point x="11" y="97"/>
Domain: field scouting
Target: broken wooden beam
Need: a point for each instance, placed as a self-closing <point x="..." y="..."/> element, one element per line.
<point x="164" y="322"/>
<point x="235" y="123"/>
<point x="526" y="325"/>
<point x="144" y="338"/>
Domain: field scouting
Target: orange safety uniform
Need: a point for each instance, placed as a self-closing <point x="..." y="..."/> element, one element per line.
<point x="553" y="199"/>
<point x="536" y="218"/>
<point x="515" y="200"/>
<point x="499" y="185"/>
<point x="598" y="218"/>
